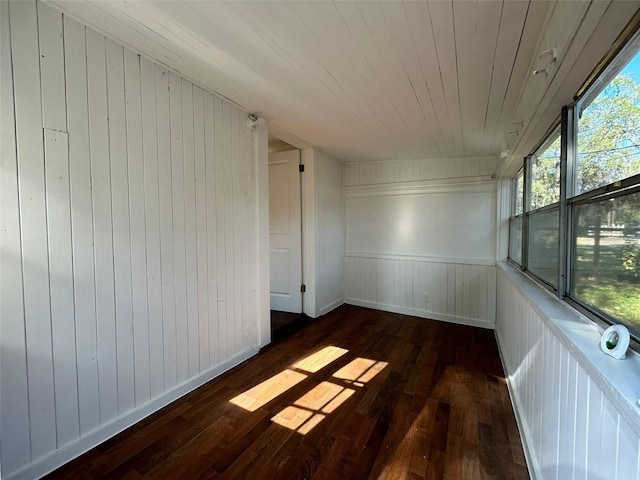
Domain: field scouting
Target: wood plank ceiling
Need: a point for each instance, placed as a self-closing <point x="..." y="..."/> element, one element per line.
<point x="360" y="80"/>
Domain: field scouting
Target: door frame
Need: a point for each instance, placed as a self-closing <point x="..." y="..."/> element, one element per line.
<point x="308" y="207"/>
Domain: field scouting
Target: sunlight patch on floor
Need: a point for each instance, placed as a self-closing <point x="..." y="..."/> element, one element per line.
<point x="313" y="407"/>
<point x="268" y="390"/>
<point x="360" y="371"/>
<point x="298" y="419"/>
<point x="319" y="402"/>
<point x="320" y="359"/>
<point x="263" y="393"/>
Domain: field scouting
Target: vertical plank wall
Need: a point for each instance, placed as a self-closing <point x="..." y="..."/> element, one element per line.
<point x="570" y="427"/>
<point x="459" y="290"/>
<point x="128" y="241"/>
<point x="329" y="233"/>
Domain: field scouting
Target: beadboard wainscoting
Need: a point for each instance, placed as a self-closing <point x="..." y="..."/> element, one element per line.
<point x="420" y="238"/>
<point x="576" y="408"/>
<point x="129" y="226"/>
<point x="455" y="292"/>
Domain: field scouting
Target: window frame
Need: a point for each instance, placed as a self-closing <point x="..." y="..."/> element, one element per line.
<point x="515" y="215"/>
<point x="599" y="316"/>
<point x="548" y="140"/>
<point x="567" y="125"/>
<point x="541" y="211"/>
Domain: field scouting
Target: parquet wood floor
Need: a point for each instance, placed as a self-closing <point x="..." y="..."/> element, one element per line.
<point x="357" y="394"/>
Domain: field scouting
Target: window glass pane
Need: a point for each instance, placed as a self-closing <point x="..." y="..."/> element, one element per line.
<point x="542" y="248"/>
<point x="519" y="194"/>
<point x="515" y="240"/>
<point x="606" y="260"/>
<point x="545" y="174"/>
<point x="609" y="132"/>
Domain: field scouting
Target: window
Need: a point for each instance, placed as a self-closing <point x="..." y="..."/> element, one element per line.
<point x="608" y="147"/>
<point x="583" y="240"/>
<point x="605" y="244"/>
<point x="543" y="207"/>
<point x="515" y="223"/>
<point x="515" y="239"/>
<point x="606" y="257"/>
<point x="518" y="203"/>
<point x="545" y="173"/>
<point x="542" y="246"/>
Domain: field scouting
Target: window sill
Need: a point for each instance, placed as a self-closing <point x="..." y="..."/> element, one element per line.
<point x="618" y="379"/>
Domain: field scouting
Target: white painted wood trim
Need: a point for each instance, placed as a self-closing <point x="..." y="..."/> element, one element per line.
<point x="503" y="211"/>
<point x="331" y="306"/>
<point x="422" y="258"/>
<point x="261" y="152"/>
<point x="59" y="457"/>
<point x="309" y="228"/>
<point x="472" y="322"/>
<point x="457" y="185"/>
<point x="518" y="408"/>
<point x="330" y="212"/>
<point x="289" y="138"/>
<point x="426" y="160"/>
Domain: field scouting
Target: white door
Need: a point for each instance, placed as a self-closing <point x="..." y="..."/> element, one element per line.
<point x="285" y="236"/>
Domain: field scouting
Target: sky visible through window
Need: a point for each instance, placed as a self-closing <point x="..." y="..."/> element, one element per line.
<point x="633" y="68"/>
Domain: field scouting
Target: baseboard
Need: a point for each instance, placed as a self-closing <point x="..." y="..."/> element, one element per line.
<point x="90" y="440"/>
<point x="472" y="322"/>
<point x="525" y="435"/>
<point x="331" y="306"/>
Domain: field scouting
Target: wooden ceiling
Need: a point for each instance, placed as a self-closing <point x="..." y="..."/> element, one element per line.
<point x="360" y="80"/>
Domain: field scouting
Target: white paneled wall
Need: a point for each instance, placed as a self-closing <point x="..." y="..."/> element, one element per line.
<point x="420" y="238"/>
<point x="128" y="241"/>
<point x="571" y="429"/>
<point x="371" y="173"/>
<point x="329" y="236"/>
<point x="459" y="293"/>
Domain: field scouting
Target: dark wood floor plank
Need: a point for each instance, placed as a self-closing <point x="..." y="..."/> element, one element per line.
<point x="194" y="451"/>
<point x="409" y="398"/>
<point x="435" y="465"/>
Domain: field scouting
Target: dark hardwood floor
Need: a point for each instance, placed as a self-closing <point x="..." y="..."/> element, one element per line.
<point x="357" y="394"/>
<point x="282" y="319"/>
<point x="285" y="324"/>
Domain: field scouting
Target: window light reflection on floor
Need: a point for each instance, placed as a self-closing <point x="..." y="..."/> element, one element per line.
<point x="313" y="407"/>
<point x="266" y="391"/>
<point x="320" y="359"/>
<point x="319" y="402"/>
<point x="263" y="393"/>
<point x="360" y="371"/>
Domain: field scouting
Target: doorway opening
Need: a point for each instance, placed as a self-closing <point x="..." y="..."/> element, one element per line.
<point x="285" y="238"/>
